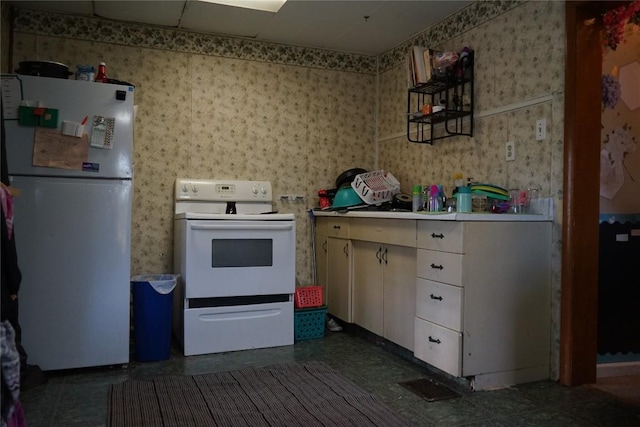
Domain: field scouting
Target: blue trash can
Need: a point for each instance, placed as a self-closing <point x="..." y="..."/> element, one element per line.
<point x="152" y="315"/>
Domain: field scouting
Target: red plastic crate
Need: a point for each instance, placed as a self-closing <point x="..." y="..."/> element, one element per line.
<point x="307" y="297"/>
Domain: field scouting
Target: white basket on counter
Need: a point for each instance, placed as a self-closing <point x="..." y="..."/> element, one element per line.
<point x="376" y="187"/>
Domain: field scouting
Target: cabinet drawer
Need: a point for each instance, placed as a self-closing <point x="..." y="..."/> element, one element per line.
<point x="338" y="227"/>
<point x="321" y="226"/>
<point x="442" y="267"/>
<point x="440" y="236"/>
<point x="438" y="346"/>
<point x="439" y="303"/>
<point x="399" y="232"/>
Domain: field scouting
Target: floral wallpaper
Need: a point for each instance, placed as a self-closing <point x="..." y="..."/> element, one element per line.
<point x="620" y="154"/>
<point x="215" y="107"/>
<point x="220" y="116"/>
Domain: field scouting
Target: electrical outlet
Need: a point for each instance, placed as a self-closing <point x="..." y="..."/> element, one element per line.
<point x="510" y="153"/>
<point x="541" y="129"/>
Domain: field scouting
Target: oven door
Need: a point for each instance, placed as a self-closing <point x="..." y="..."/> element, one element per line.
<point x="229" y="258"/>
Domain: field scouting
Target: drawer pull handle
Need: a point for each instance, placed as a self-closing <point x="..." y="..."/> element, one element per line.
<point x="435" y="341"/>
<point x="437" y="236"/>
<point x="439" y="298"/>
<point x="337" y="227"/>
<point x="378" y="255"/>
<point x="439" y="267"/>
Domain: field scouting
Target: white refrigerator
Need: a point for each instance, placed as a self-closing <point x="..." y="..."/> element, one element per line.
<point x="72" y="218"/>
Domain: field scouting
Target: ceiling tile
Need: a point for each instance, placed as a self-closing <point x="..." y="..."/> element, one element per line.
<point x="71" y="7"/>
<point x="382" y="31"/>
<point x="227" y="20"/>
<point x="165" y="13"/>
<point x="317" y="23"/>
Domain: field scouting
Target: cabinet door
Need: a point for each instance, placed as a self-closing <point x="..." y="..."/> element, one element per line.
<point x="506" y="296"/>
<point x="399" y="294"/>
<point x="339" y="278"/>
<point x="321" y="250"/>
<point x="367" y="285"/>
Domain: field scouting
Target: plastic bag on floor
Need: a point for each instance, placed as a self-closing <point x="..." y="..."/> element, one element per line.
<point x="161" y="283"/>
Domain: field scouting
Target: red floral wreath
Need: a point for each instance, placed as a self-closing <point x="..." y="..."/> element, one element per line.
<point x="615" y="21"/>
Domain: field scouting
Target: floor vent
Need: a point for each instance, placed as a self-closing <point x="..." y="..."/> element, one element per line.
<point x="430" y="390"/>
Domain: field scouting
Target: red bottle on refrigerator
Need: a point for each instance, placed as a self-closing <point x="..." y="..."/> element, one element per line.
<point x="102" y="73"/>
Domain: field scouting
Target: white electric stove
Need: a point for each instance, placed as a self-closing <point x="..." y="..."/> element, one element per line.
<point x="236" y="261"/>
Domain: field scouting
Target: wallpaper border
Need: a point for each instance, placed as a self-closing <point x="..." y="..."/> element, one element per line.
<point x="471" y="16"/>
<point x="147" y="36"/>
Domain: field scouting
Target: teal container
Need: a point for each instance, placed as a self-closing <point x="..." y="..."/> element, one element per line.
<point x="464" y="199"/>
<point x="308" y="323"/>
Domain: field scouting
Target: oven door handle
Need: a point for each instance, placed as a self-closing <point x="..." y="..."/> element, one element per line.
<point x="269" y="227"/>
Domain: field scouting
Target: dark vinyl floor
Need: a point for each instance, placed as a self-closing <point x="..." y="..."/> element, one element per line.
<point x="79" y="397"/>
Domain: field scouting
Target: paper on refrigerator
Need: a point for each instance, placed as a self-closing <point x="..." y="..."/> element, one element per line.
<point x="52" y="149"/>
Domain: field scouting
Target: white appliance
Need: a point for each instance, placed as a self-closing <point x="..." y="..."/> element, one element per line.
<point x="73" y="226"/>
<point x="237" y="270"/>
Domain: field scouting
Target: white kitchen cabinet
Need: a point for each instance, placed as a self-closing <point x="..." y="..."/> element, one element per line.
<point x="339" y="290"/>
<point x="483" y="300"/>
<point x="384" y="265"/>
<point x="321" y="251"/>
<point x="368" y="309"/>
<point x="338" y="266"/>
<point x="399" y="295"/>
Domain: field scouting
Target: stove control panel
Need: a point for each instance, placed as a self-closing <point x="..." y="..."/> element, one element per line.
<point x="218" y="190"/>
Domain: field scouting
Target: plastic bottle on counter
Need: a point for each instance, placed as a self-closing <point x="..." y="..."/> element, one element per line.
<point x="425" y="197"/>
<point x="443" y="197"/>
<point x="417" y="203"/>
<point x="434" y="199"/>
<point x="464" y="199"/>
<point x="101" y="77"/>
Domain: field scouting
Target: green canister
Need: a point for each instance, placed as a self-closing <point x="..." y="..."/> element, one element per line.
<point x="417" y="204"/>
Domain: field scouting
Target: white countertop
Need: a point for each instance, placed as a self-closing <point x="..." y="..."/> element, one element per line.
<point x="439" y="216"/>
